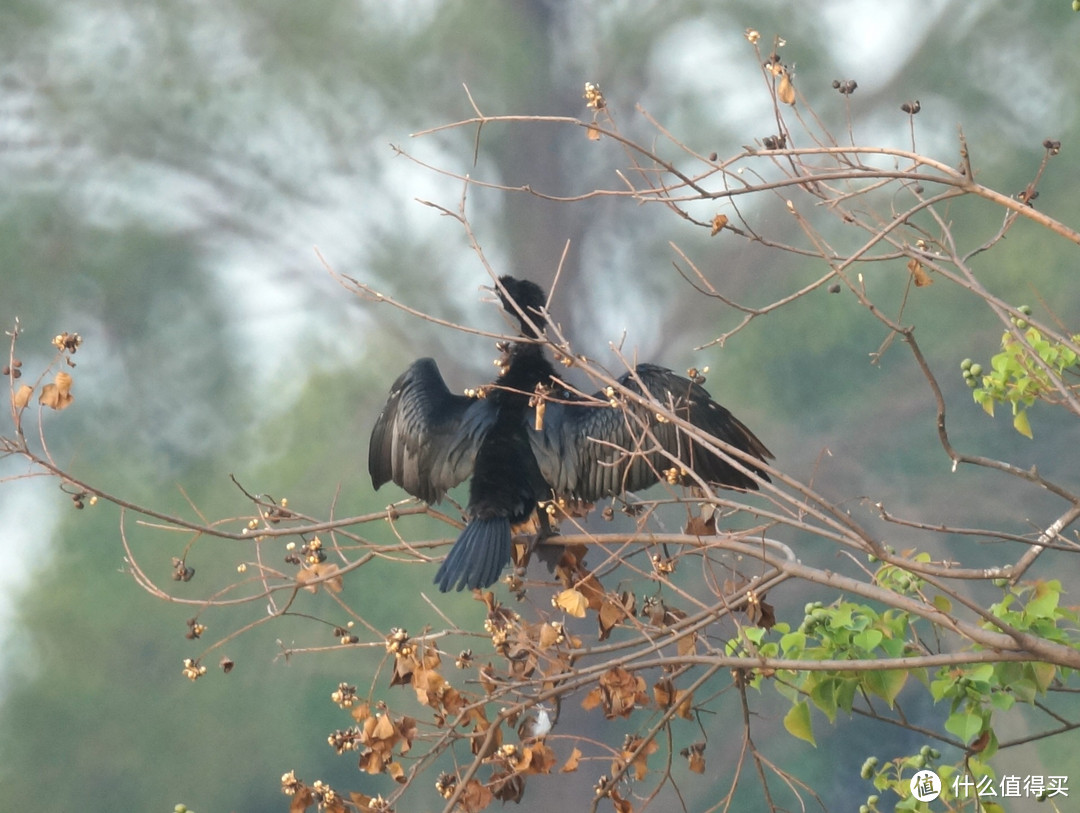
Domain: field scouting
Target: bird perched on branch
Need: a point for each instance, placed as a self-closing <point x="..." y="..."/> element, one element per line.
<point x="427" y="440"/>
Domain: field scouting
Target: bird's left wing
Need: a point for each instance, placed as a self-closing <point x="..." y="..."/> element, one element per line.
<point x="590" y="450"/>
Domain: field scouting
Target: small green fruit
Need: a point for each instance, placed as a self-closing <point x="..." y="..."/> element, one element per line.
<point x="965" y="364"/>
<point x="868" y="767"/>
<point x="976" y="369"/>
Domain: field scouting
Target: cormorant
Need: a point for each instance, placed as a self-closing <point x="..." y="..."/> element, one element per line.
<point x="427" y="440"/>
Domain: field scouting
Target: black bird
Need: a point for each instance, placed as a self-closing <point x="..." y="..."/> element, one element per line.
<point x="427" y="440"/>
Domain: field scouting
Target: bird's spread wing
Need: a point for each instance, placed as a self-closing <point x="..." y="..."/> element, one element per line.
<point x="590" y="450"/>
<point x="426" y="437"/>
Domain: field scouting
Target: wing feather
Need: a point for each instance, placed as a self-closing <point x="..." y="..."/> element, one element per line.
<point x="426" y="437"/>
<point x="590" y="450"/>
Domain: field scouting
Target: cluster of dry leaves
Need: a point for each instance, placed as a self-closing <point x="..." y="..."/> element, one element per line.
<point x="535" y="663"/>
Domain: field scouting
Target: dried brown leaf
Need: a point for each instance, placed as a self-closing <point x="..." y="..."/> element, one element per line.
<point x="685" y="700"/>
<point x="620" y="692"/>
<point x="430" y="687"/>
<point x="537" y="758"/>
<point x="475" y="797"/>
<point x="404" y="667"/>
<point x="361" y="800"/>
<point x="620" y="804"/>
<point x="549" y="635"/>
<point x="407" y="728"/>
<point x="57" y="395"/>
<point x="697" y="762"/>
<point x="612" y="613"/>
<point x="638" y="761"/>
<point x="919" y="273"/>
<point x="372" y="762"/>
<point x="311" y="576"/>
<point x="481" y="727"/>
<point x="761" y="613"/>
<point x="593" y="699"/>
<point x="22" y="396"/>
<point x="593" y="591"/>
<point x="383" y="728"/>
<point x="572" y="762"/>
<point x="572" y="602"/>
<point x="699" y="526"/>
<point x="360" y="712"/>
<point x="301" y="800"/>
<point x="508" y="787"/>
<point x="664" y="693"/>
<point x="785" y="91"/>
<point x="686" y="645"/>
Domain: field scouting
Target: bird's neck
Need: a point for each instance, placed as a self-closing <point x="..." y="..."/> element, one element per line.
<point x="526" y="367"/>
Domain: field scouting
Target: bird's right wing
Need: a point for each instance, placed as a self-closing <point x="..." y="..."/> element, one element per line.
<point x="426" y="437"/>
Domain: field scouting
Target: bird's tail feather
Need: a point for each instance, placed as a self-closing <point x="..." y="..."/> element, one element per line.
<point x="478" y="556"/>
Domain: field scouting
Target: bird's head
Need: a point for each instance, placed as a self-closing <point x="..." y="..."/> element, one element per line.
<point x="528" y="297"/>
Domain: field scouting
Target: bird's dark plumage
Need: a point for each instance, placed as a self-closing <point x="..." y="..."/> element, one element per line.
<point x="588" y="452"/>
<point x="426" y="437"/>
<point x="427" y="440"/>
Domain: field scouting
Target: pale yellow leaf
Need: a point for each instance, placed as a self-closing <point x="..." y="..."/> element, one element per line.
<point x="572" y="602"/>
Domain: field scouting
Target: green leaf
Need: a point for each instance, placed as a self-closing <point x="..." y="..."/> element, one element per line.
<point x="1021" y="425"/>
<point x="1009" y="672"/>
<point x="867" y="640"/>
<point x="1044" y="675"/>
<point x="845" y="694"/>
<point x="965" y="725"/>
<point x="982" y="672"/>
<point x="894" y="647"/>
<point x="942" y="603"/>
<point x="754" y="634"/>
<point x="1045" y="599"/>
<point x="1024" y="689"/>
<point x="886" y="683"/>
<point x="841" y="616"/>
<point x="793" y="643"/>
<point x="797" y="722"/>
<point x="1002" y="701"/>
<point x="940" y="689"/>
<point x="823" y="695"/>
